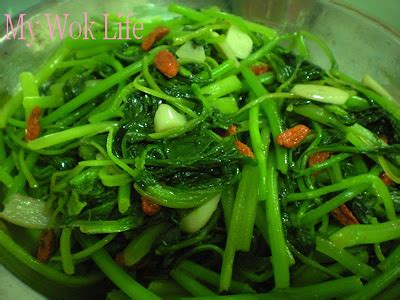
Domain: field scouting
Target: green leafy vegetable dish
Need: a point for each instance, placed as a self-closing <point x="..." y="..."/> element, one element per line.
<point x="211" y="159"/>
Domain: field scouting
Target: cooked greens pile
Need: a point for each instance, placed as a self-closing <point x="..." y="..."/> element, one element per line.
<point x="210" y="158"/>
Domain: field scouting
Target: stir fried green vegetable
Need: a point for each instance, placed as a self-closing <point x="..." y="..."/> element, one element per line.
<point x="207" y="160"/>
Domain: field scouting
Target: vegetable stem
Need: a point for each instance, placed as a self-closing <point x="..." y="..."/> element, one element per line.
<point x="276" y="234"/>
<point x="65" y="249"/>
<point x="116" y="274"/>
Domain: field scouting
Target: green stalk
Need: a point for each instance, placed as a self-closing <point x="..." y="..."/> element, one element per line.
<point x="111" y="226"/>
<point x="116" y="160"/>
<point x="185" y="36"/>
<point x="70" y="134"/>
<point x="320" y="115"/>
<point x="212" y="278"/>
<point x="222" y="87"/>
<point x="190" y="284"/>
<point x="227" y="201"/>
<point x="381" y="191"/>
<point x="248" y="215"/>
<point x="193" y="240"/>
<point x="13" y="104"/>
<point x="41" y="101"/>
<point x="147" y="76"/>
<point x="390" y="293"/>
<point x="29" y="87"/>
<point x="91" y="93"/>
<point x="141" y="245"/>
<point x="87" y="252"/>
<point x="225" y="68"/>
<point x="124" y="198"/>
<point x="331" y="204"/>
<point x="166" y="288"/>
<point x="324" y="165"/>
<point x="202" y="248"/>
<point x="392" y="107"/>
<point x="260" y="53"/>
<point x="18" y="253"/>
<point x="313" y="264"/>
<point x="377" y="246"/>
<point x="116" y="274"/>
<point x="260" y="149"/>
<point x="275" y="121"/>
<point x="392" y="259"/>
<point x="3" y="154"/>
<point x="20" y="179"/>
<point x="65" y="250"/>
<point x="233" y="242"/>
<point x="266" y="79"/>
<point x="226" y="105"/>
<point x="6" y="178"/>
<point x="333" y="289"/>
<point x="188" y="12"/>
<point x="276" y="234"/>
<point x="345" y="258"/>
<point x="262" y="99"/>
<point x="359" y="164"/>
<point x="175" y="198"/>
<point x="378" y="284"/>
<point x="25" y="170"/>
<point x="359" y="234"/>
<point x="247" y="26"/>
<point x="180" y="104"/>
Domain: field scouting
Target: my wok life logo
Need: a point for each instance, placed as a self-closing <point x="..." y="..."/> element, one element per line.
<point x="61" y="27"/>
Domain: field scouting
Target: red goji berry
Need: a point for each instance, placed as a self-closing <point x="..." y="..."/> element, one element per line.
<point x="166" y="63"/>
<point x="153" y="37"/>
<point x="32" y="130"/>
<point x="293" y="137"/>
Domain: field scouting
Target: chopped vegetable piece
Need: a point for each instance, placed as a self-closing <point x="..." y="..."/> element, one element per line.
<point x="191" y="52"/>
<point x="320" y="93"/>
<point x="198" y="218"/>
<point x="167" y="118"/>
<point x="26" y="211"/>
<point x="240" y="42"/>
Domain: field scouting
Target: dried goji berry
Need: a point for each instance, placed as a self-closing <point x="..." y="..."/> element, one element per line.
<point x="32" y="130"/>
<point x="293" y="137"/>
<point x="153" y="37"/>
<point x="166" y="63"/>
<point x="46" y="245"/>
<point x="244" y="149"/>
<point x="259" y="69"/>
<point x="232" y="130"/>
<point x="318" y="158"/>
<point x="344" y="215"/>
<point x="386" y="179"/>
<point x="149" y="207"/>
